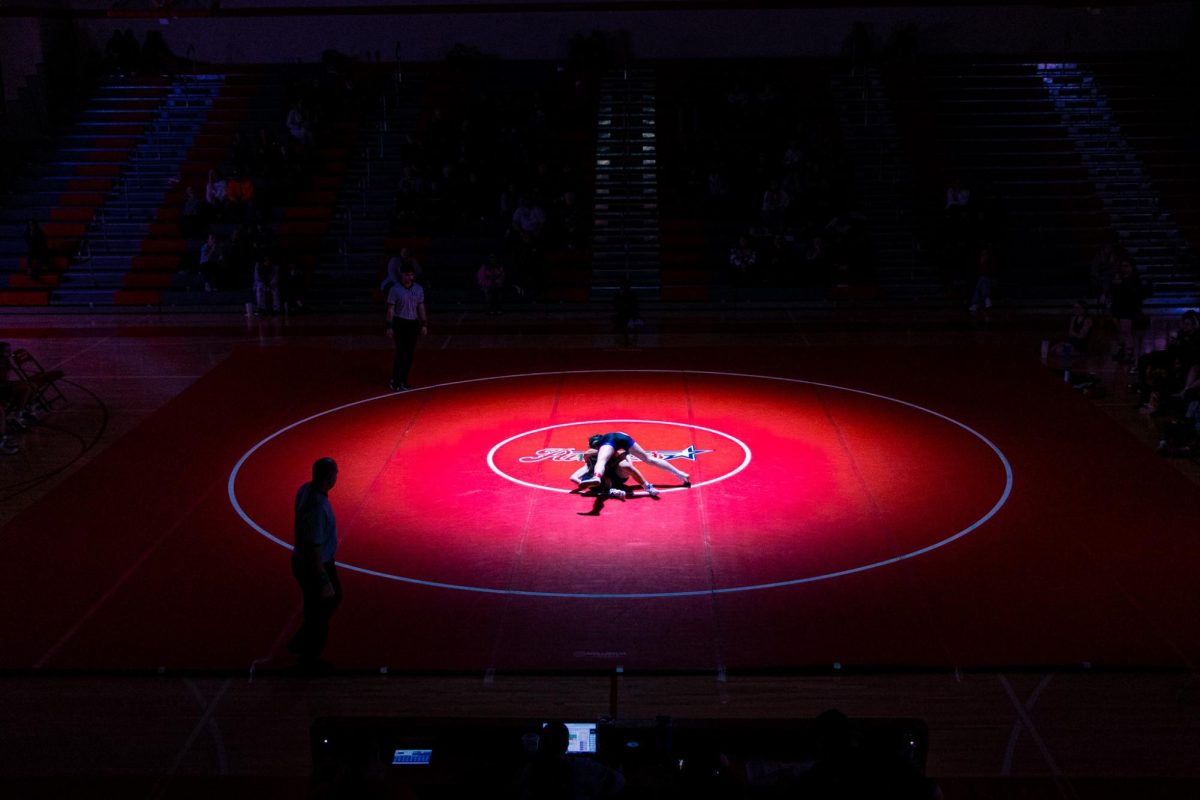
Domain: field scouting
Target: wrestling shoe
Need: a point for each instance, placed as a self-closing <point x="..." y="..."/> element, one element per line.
<point x="618" y="494"/>
<point x="590" y="480"/>
<point x="650" y="490"/>
<point x="687" y="481"/>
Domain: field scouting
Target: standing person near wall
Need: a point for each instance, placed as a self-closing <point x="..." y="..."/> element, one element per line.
<point x="406" y="323"/>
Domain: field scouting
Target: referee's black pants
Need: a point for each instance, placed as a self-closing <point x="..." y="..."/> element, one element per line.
<point x="405" y="333"/>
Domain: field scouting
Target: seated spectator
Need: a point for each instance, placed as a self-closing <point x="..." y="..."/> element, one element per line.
<point x="528" y="222"/>
<point x="1164" y="375"/>
<point x="1103" y="271"/>
<point x="627" y="313"/>
<point x="553" y="775"/>
<point x="793" y="157"/>
<point x="156" y="56"/>
<point x="984" y="272"/>
<point x="211" y="261"/>
<point x="779" y="262"/>
<point x="775" y="202"/>
<point x="1127" y="293"/>
<point x="397" y="265"/>
<point x="239" y="190"/>
<point x="267" y="285"/>
<point x="742" y="258"/>
<point x="299" y="125"/>
<point x="573" y="220"/>
<point x="215" y="192"/>
<point x="37" y="250"/>
<point x="958" y="197"/>
<point x="191" y="218"/>
<point x="490" y="278"/>
<point x="293" y="290"/>
<point x="1079" y="329"/>
<point x="266" y="151"/>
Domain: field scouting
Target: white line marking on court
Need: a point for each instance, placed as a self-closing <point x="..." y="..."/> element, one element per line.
<point x="1008" y="485"/>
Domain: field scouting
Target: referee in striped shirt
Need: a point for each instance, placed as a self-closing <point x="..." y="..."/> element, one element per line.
<point x="406" y="322"/>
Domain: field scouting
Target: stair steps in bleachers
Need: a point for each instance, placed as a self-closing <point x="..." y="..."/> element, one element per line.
<point x="884" y="184"/>
<point x="625" y="237"/>
<point x="355" y="253"/>
<point x="992" y="125"/>
<point x="67" y="193"/>
<point x="1128" y="196"/>
<point x="125" y="227"/>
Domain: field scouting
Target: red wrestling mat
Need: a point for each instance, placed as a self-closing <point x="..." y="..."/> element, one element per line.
<point x="847" y="506"/>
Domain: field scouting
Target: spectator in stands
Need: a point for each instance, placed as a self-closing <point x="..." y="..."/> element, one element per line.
<point x="266" y="151"/>
<point x="779" y="262"/>
<point x="627" y="314"/>
<point x="215" y="193"/>
<point x="267" y="284"/>
<point x="1079" y="333"/>
<point x="775" y="203"/>
<point x="1104" y="270"/>
<point x="239" y="192"/>
<point x="572" y="220"/>
<point x="793" y="156"/>
<point x="397" y="265"/>
<point x="528" y="222"/>
<point x="191" y="217"/>
<point x="490" y="278"/>
<point x="299" y="125"/>
<point x="719" y="191"/>
<point x="37" y="250"/>
<point x="1127" y="294"/>
<point x="984" y="272"/>
<point x="958" y="197"/>
<point x="122" y="52"/>
<point x="553" y="775"/>
<point x="156" y="54"/>
<point x="1164" y="374"/>
<point x="212" y="266"/>
<point x="241" y="254"/>
<point x="742" y="258"/>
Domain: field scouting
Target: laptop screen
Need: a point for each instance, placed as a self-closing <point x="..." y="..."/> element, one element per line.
<point x="411" y="756"/>
<point x="582" y="737"/>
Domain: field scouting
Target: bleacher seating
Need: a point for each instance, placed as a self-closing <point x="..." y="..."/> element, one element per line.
<point x="109" y="195"/>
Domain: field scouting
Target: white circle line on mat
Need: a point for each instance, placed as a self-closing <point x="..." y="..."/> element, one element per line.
<point x="1008" y="485"/>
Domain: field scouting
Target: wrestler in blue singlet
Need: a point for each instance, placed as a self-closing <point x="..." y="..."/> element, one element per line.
<point x="619" y="441"/>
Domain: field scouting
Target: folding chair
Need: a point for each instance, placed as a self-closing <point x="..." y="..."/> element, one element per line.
<point x="46" y="393"/>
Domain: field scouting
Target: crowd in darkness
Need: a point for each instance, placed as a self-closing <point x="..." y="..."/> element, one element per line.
<point x="759" y="163"/>
<point x="498" y="158"/>
<point x="228" y="220"/>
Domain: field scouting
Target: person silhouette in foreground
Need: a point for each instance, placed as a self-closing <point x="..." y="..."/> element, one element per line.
<point x="313" y="564"/>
